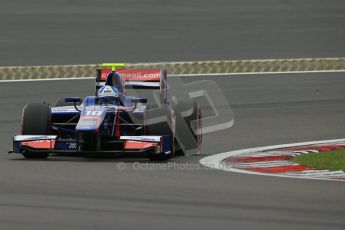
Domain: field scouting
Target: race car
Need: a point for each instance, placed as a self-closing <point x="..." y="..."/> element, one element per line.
<point x="112" y="121"/>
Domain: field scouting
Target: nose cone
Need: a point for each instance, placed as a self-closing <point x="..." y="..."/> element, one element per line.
<point x="90" y="121"/>
<point x="88" y="124"/>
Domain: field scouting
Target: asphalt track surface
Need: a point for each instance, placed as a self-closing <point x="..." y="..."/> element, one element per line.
<point x="79" y="193"/>
<point x="40" y="32"/>
<point x="86" y="193"/>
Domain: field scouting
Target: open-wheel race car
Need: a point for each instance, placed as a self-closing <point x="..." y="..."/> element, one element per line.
<point x="113" y="121"/>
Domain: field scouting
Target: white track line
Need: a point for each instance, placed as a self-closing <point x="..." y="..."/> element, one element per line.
<point x="261" y="164"/>
<point x="188" y="75"/>
<point x="256" y="73"/>
<point x="48" y="79"/>
<point x="216" y="161"/>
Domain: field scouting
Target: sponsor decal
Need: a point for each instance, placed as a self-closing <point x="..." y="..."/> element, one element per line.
<point x="71" y="145"/>
<point x="130" y="144"/>
<point x="108" y="92"/>
<point x="92" y="112"/>
<point x="88" y="121"/>
<point x="142" y="138"/>
<point x="140" y="74"/>
<point x="64" y="109"/>
<point x="40" y="144"/>
<point x="33" y="137"/>
<point x="104" y="74"/>
<point x="106" y="123"/>
<point x="143" y="83"/>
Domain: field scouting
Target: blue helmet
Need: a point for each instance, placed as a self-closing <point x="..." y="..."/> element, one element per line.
<point x="112" y="91"/>
<point x="109" y="95"/>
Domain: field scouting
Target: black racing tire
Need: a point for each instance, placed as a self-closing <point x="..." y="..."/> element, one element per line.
<point x="36" y="121"/>
<point x="158" y="122"/>
<point x="188" y="127"/>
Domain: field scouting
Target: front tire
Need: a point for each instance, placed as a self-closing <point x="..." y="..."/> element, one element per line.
<point x="36" y="121"/>
<point x="160" y="122"/>
<point x="188" y="126"/>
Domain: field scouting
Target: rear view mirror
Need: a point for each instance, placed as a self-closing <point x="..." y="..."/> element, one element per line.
<point x="73" y="99"/>
<point x="138" y="100"/>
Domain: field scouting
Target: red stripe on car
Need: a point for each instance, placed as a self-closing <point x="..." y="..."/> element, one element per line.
<point x="129" y="144"/>
<point x="40" y="144"/>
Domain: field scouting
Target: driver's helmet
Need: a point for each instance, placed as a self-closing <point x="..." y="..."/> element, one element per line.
<point x="109" y="95"/>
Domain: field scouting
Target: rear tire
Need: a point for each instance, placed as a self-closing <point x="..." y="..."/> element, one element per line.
<point x="36" y="121"/>
<point x="188" y="126"/>
<point x="160" y="122"/>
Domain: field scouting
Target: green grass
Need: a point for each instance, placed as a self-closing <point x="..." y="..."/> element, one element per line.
<point x="332" y="160"/>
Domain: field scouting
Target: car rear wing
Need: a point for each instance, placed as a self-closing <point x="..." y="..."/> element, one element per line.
<point x="143" y="78"/>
